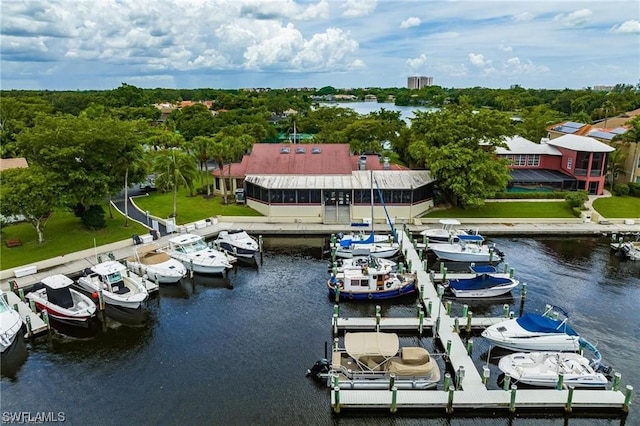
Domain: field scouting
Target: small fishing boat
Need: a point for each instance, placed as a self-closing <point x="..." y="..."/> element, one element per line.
<point x="367" y="247"/>
<point x="193" y="252"/>
<point x="370" y="284"/>
<point x="469" y="248"/>
<point x="119" y="288"/>
<point x="544" y="369"/>
<point x="63" y="303"/>
<point x="485" y="283"/>
<point x="156" y="264"/>
<point x="627" y="249"/>
<point x="10" y="326"/>
<point x="369" y="358"/>
<point x="447" y="233"/>
<point x="359" y="262"/>
<point x="237" y="243"/>
<point x="548" y="331"/>
<point x="360" y="237"/>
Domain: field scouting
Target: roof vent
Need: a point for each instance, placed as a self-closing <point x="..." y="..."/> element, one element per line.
<point x="385" y="164"/>
<point x="316" y="150"/>
<point x="285" y="150"/>
<point x="363" y="162"/>
<point x="301" y="150"/>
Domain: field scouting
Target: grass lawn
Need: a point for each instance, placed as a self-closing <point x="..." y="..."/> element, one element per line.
<point x="190" y="209"/>
<point x="64" y="233"/>
<point x="515" y="209"/>
<point x="618" y="207"/>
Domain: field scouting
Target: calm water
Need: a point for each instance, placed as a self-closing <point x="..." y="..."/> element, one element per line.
<point x="406" y="112"/>
<point x="234" y="351"/>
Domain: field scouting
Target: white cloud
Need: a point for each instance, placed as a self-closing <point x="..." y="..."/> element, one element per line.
<point x="574" y="19"/>
<point x="358" y="64"/>
<point x="505" y="48"/>
<point x="478" y="60"/>
<point x="358" y="8"/>
<point x="628" y="27"/>
<point x="443" y="36"/>
<point x="416" y="64"/>
<point x="515" y="66"/>
<point x="410" y="22"/>
<point x="524" y="16"/>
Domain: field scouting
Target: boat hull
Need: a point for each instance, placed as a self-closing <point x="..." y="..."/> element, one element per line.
<point x="449" y="252"/>
<point x="373" y="295"/>
<point x="496" y="290"/>
<point x="134" y="301"/>
<point x="162" y="273"/>
<point x="238" y="251"/>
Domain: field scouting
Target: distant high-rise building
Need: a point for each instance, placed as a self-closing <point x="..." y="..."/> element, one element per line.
<point x="419" y="82"/>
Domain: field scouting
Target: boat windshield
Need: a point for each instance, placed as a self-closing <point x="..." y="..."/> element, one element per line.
<point x="3" y="305"/>
<point x="114" y="278"/>
<point x="194" y="246"/>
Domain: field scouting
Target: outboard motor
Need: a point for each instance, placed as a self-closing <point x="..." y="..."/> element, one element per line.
<point x="319" y="368"/>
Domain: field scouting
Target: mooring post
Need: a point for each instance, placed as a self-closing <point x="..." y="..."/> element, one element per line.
<point x="512" y="272"/>
<point x="191" y="268"/>
<point x="429" y="307"/>
<point x="506" y="382"/>
<point x="444" y="274"/>
<point x="627" y="398"/>
<point x="420" y="321"/>
<point x="505" y="310"/>
<point x="506" y="267"/>
<point x="100" y="299"/>
<point x="456" y="325"/>
<point x="448" y="348"/>
<point x="560" y="383"/>
<point x="568" y="407"/>
<point x="337" y="293"/>
<point x="29" y="328"/>
<point x="45" y="318"/>
<point x="32" y="305"/>
<point x="512" y="403"/>
<point x="465" y="309"/>
<point x="460" y="377"/>
<point x="336" y="392"/>
<point x="523" y="292"/>
<point x="335" y="324"/>
<point x="616" y="381"/>
<point x="447" y="380"/>
<point x="448" y="307"/>
<point x="21" y="294"/>
<point x="486" y="373"/>
<point x="469" y="347"/>
<point x="394" y="399"/>
<point x="392" y="381"/>
<point x="450" y="400"/>
<point x="469" y="316"/>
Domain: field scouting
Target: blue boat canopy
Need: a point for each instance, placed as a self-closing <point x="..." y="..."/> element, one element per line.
<point x="483" y="269"/>
<point x="348" y="241"/>
<point x="471" y="238"/>
<point x="478" y="282"/>
<point x="543" y="324"/>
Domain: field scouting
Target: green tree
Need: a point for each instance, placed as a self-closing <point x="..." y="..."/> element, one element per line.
<point x="615" y="165"/>
<point x="631" y="137"/>
<point x="204" y="146"/>
<point x="174" y="169"/>
<point x="131" y="165"/>
<point x="456" y="144"/>
<point x="31" y="192"/>
<point x="535" y="121"/>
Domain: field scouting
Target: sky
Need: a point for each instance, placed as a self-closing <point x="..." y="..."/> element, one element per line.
<point x="233" y="44"/>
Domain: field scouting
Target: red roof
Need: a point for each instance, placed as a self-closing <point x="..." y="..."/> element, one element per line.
<point x="301" y="159"/>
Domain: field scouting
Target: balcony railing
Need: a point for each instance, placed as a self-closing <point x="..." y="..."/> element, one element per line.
<point x="583" y="172"/>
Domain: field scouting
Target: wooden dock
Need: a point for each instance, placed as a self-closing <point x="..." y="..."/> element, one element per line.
<point x="471" y="393"/>
<point x="38" y="325"/>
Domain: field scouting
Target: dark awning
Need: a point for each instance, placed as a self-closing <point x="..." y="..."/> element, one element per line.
<point x="539" y="176"/>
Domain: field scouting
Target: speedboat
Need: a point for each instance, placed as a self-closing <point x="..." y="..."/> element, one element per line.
<point x="237" y="243"/>
<point x="10" y="325"/>
<point x="373" y="263"/>
<point x="368" y="359"/>
<point x="627" y="249"/>
<point x="469" y="248"/>
<point x="544" y="369"/>
<point x="156" y="264"/>
<point x="535" y="332"/>
<point x="360" y="237"/>
<point x="55" y="295"/>
<point x="120" y="288"/>
<point x="485" y="283"/>
<point x="446" y="234"/>
<point x="370" y="284"/>
<point x="193" y="252"/>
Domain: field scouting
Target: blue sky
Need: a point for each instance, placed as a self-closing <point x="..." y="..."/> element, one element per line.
<point x="229" y="44"/>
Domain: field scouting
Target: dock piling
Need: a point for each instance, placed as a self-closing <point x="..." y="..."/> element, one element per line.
<point x="460" y="377"/>
<point x="420" y="321"/>
<point x="456" y="325"/>
<point x="523" y="292"/>
<point x="567" y="407"/>
<point x="512" y="403"/>
<point x="450" y="400"/>
<point x="627" y="398"/>
<point x="335" y="324"/>
<point x="29" y="328"/>
<point x="469" y="347"/>
<point x="505" y="310"/>
<point x="506" y="381"/>
<point x="616" y="381"/>
<point x="447" y="380"/>
<point x="21" y="294"/>
<point x="394" y="399"/>
<point x="486" y="373"/>
<point x="448" y="307"/>
<point x="448" y="348"/>
<point x="560" y="383"/>
<point x="469" y="317"/>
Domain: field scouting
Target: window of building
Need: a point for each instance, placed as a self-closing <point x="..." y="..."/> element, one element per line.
<point x="520" y="160"/>
<point x="533" y="160"/>
<point x="569" y="163"/>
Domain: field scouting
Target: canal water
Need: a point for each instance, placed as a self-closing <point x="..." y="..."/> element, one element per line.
<point x="234" y="350"/>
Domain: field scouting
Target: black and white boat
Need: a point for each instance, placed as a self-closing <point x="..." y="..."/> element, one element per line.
<point x="63" y="303"/>
<point x="237" y="243"/>
<point x="485" y="283"/>
<point x="10" y="326"/>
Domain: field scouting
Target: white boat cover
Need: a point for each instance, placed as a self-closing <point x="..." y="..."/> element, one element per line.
<point x="359" y="345"/>
<point x="57" y="281"/>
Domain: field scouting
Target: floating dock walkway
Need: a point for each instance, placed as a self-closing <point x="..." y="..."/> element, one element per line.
<point x="466" y="389"/>
<point x="35" y="324"/>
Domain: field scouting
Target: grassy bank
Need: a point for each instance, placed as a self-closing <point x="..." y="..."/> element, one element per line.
<point x="64" y="233"/>
<point x="618" y="207"/>
<point x="515" y="209"/>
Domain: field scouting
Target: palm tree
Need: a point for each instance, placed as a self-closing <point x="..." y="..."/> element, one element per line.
<point x="219" y="152"/>
<point x="130" y="161"/>
<point x="175" y="168"/>
<point x="615" y="165"/>
<point x="631" y="136"/>
<point x="203" y="146"/>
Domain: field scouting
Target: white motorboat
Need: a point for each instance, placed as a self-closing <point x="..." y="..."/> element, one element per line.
<point x="120" y="288"/>
<point x="10" y="325"/>
<point x="535" y="332"/>
<point x="544" y="369"/>
<point x="376" y="264"/>
<point x="237" y="243"/>
<point x="370" y="284"/>
<point x="627" y="249"/>
<point x="156" y="264"/>
<point x="359" y="237"/>
<point x="485" y="283"/>
<point x="55" y="295"/>
<point x="446" y="234"/>
<point x="369" y="358"/>
<point x="366" y="247"/>
<point x="193" y="252"/>
<point x="469" y="248"/>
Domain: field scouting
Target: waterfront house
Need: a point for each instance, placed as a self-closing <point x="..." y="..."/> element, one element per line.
<point x="325" y="183"/>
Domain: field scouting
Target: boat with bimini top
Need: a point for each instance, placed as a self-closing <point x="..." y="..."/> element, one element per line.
<point x="369" y="359"/>
<point x="120" y="288"/>
<point x="485" y="283"/>
<point x="55" y="295"/>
